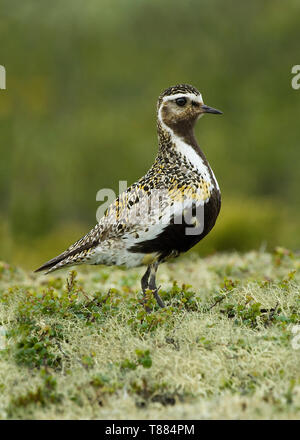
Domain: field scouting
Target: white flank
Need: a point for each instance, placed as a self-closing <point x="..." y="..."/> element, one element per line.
<point x="216" y="182"/>
<point x="193" y="157"/>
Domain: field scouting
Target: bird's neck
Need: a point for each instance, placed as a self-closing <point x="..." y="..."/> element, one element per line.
<point x="180" y="143"/>
<point x="171" y="139"/>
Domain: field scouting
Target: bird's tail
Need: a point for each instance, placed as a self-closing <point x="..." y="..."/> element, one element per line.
<point x="79" y="252"/>
<point x="56" y="263"/>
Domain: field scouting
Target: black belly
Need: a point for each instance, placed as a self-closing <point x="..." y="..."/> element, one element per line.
<point x="174" y="238"/>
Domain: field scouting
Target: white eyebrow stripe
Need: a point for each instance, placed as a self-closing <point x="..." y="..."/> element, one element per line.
<point x="192" y="96"/>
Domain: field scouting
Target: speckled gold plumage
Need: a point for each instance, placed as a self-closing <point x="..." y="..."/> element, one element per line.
<point x="132" y="232"/>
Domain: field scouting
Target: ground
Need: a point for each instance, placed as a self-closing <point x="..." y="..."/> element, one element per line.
<point x="81" y="346"/>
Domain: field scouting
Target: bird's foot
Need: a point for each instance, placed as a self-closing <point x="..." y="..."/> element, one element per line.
<point x="145" y="300"/>
<point x="158" y="298"/>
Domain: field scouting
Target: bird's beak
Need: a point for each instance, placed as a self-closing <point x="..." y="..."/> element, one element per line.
<point x="206" y="109"/>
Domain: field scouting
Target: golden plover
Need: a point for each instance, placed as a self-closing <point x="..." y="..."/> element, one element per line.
<point x="168" y="210"/>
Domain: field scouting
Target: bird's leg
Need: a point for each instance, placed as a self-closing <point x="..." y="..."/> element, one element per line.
<point x="152" y="284"/>
<point x="145" y="284"/>
<point x="145" y="279"/>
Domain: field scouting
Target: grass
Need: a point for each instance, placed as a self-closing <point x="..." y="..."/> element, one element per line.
<point x="80" y="345"/>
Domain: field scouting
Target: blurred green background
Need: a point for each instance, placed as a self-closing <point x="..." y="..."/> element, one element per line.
<point x="78" y="114"/>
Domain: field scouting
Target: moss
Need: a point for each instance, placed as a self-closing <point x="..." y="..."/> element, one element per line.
<point x="83" y="346"/>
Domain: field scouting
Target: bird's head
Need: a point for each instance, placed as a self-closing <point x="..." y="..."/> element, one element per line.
<point x="179" y="107"/>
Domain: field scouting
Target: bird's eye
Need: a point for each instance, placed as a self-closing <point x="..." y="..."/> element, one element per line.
<point x="180" y="101"/>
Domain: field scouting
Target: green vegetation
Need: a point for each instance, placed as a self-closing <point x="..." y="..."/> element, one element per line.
<point x="80" y="345"/>
<point x="78" y="114"/>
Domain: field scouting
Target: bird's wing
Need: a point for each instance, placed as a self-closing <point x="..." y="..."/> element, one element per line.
<point x="138" y="215"/>
<point x="124" y="217"/>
